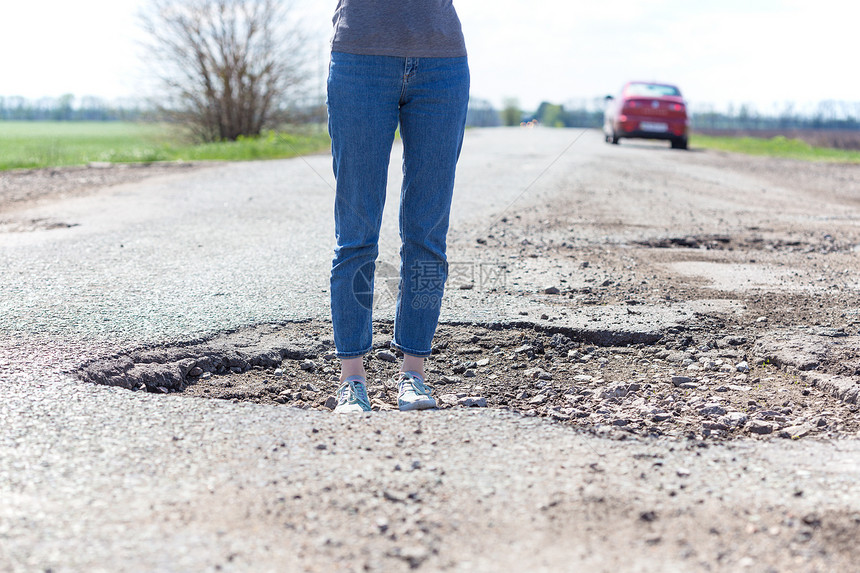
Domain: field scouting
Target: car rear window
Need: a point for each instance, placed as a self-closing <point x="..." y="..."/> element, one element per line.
<point x="651" y="90"/>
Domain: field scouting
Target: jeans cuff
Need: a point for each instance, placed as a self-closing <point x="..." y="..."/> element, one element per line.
<point x="347" y="355"/>
<point x="410" y="352"/>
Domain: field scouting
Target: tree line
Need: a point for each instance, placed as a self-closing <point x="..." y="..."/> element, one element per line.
<point x="827" y="115"/>
<point x="69" y="108"/>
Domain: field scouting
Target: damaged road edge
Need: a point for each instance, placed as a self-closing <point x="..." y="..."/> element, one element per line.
<point x="266" y="346"/>
<point x="167" y="369"/>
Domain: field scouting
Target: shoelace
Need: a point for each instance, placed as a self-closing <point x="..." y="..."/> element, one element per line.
<point x="415" y="381"/>
<point x="352" y="394"/>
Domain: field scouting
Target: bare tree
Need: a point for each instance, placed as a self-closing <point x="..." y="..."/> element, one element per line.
<point x="228" y="67"/>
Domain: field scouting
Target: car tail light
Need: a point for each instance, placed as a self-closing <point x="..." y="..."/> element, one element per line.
<point x="677" y="107"/>
<point x="631" y="104"/>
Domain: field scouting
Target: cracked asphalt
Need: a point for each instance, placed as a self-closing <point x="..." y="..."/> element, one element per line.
<point x="99" y="478"/>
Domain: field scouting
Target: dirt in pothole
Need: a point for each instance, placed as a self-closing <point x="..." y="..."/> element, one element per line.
<point x="688" y="385"/>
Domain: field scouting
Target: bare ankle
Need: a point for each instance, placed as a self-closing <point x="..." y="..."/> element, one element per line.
<point x="413" y="364"/>
<point x="352" y="367"/>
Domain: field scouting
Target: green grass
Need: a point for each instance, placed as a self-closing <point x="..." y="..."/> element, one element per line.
<point x="25" y="144"/>
<point x="775" y="147"/>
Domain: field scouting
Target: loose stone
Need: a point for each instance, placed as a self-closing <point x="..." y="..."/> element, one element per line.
<point x="712" y="410"/>
<point x="618" y="391"/>
<point x="734" y="419"/>
<point x="386" y="356"/>
<point x="308" y="365"/>
<point x="796" y="432"/>
<point x="473" y="402"/>
<point x="759" y="427"/>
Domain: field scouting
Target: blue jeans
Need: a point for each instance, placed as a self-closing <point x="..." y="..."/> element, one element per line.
<point x="368" y="96"/>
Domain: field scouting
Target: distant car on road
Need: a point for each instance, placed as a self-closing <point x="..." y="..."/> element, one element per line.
<point x="647" y="110"/>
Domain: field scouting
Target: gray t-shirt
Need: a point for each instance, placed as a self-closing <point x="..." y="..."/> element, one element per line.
<point x="403" y="28"/>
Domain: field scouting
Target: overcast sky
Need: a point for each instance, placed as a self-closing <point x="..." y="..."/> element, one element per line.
<point x="764" y="52"/>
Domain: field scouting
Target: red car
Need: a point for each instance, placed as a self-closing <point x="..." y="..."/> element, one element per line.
<point x="646" y="110"/>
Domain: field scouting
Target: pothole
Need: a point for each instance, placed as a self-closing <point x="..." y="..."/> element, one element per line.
<point x="690" y="383"/>
<point x="33" y="224"/>
<point x="824" y="244"/>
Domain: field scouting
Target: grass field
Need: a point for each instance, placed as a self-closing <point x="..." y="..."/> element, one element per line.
<point x="29" y="145"/>
<point x="25" y="144"/>
<point x="777" y="146"/>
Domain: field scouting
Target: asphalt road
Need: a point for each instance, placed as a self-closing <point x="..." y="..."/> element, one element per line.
<point x="95" y="478"/>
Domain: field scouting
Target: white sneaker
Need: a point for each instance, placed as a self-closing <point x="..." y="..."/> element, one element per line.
<point x="352" y="396"/>
<point x="412" y="393"/>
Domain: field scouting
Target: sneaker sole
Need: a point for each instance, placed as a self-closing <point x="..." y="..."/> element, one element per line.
<point x="350" y="410"/>
<point x="417" y="405"/>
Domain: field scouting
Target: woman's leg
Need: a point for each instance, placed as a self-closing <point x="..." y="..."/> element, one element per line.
<point x="363" y="94"/>
<point x="432" y="120"/>
<point x="413" y="364"/>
